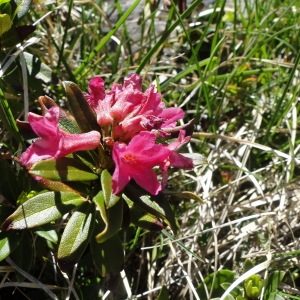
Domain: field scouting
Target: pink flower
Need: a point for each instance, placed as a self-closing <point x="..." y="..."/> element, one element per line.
<point x="136" y="161"/>
<point x="54" y="142"/>
<point x="176" y="159"/>
<point x="126" y="110"/>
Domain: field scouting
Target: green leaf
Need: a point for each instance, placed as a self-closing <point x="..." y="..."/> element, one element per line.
<point x="58" y="186"/>
<point x="63" y="169"/>
<point x="42" y="209"/>
<point x="112" y="217"/>
<point x="76" y="236"/>
<point x="143" y="219"/>
<point x="108" y="256"/>
<point x="7" y="117"/>
<point x="8" y="243"/>
<point x="81" y="110"/>
<point x="271" y="284"/>
<point x="214" y="283"/>
<point x="156" y="205"/>
<point x="21" y="9"/>
<point x="109" y="198"/>
<point x="187" y="195"/>
<point x="4" y="1"/>
<point x="248" y="264"/>
<point x="37" y="69"/>
<point x="253" y="286"/>
<point x="163" y="294"/>
<point x="47" y="233"/>
<point x="16" y="35"/>
<point x="5" y="23"/>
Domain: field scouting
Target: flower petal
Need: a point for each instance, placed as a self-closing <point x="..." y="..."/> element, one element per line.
<point x="53" y="141"/>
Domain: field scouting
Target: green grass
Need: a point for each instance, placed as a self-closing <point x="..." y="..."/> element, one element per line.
<point x="235" y="70"/>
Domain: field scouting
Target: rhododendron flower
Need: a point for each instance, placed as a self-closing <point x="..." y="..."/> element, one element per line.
<point x="136" y="161"/>
<point x="54" y="142"/>
<point x="176" y="159"/>
<point x="126" y="110"/>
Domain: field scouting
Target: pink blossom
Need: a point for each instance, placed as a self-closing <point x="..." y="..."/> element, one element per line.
<point x="176" y="159"/>
<point x="126" y="110"/>
<point x="136" y="161"/>
<point x="54" y="142"/>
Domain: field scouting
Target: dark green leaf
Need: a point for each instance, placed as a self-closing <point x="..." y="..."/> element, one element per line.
<point x="16" y="35"/>
<point x="7" y="117"/>
<point x="163" y="294"/>
<point x="84" y="116"/>
<point x="63" y="169"/>
<point x="42" y="209"/>
<point x="23" y="258"/>
<point x="249" y="264"/>
<point x="142" y="218"/>
<point x="156" y="205"/>
<point x="76" y="236"/>
<point x="108" y="256"/>
<point x="112" y="217"/>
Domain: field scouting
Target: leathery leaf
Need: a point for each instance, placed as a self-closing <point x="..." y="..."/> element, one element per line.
<point x="76" y="236"/>
<point x="112" y="217"/>
<point x="42" y="209"/>
<point x="63" y="169"/>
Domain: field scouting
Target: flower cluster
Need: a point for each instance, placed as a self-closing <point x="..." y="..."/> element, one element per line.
<point x="132" y="120"/>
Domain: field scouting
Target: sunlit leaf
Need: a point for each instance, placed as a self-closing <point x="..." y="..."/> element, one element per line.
<point x="22" y="7"/>
<point x="109" y="198"/>
<point x="37" y="69"/>
<point x="42" y="209"/>
<point x="63" y="169"/>
<point x="5" y="23"/>
<point x="48" y="233"/>
<point x="76" y="236"/>
<point x="8" y="243"/>
<point x="252" y="286"/>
